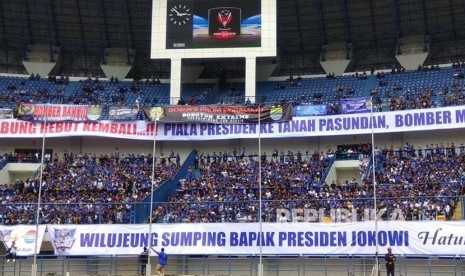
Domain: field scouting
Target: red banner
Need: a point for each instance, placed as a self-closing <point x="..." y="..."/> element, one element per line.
<point x="58" y="112"/>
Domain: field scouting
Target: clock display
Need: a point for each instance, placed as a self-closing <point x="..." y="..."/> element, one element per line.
<point x="213" y="23"/>
<point x="179" y="14"/>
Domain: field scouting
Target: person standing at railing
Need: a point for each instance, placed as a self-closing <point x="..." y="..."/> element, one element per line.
<point x="11" y="252"/>
<point x="162" y="261"/>
<point x="390" y="262"/>
<point x="143" y="260"/>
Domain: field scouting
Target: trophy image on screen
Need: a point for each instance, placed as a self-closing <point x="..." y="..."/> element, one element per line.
<point x="224" y="22"/>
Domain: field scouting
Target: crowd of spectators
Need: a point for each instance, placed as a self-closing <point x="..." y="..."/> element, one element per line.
<point x="431" y="67"/>
<point x="21" y="157"/>
<point x="454" y="99"/>
<point x="32" y="90"/>
<point x="235" y="95"/>
<point x="223" y="186"/>
<point x="424" y="183"/>
<point x="418" y="100"/>
<point x="459" y="64"/>
<point x="197" y="97"/>
<point x="63" y="79"/>
<point x="435" y="170"/>
<point x="85" y="188"/>
<point x="93" y="91"/>
<point x="227" y="188"/>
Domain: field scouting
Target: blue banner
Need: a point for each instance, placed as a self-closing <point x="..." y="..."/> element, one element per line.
<point x="310" y="110"/>
<point x="355" y="105"/>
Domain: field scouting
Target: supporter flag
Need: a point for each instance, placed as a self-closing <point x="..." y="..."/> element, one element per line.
<point x="23" y="236"/>
<point x="134" y="190"/>
<point x="58" y="112"/>
<point x="6" y="113"/>
<point x="363" y="165"/>
<point x="355" y="105"/>
<point x="123" y="113"/>
<point x="141" y="124"/>
<point x="220" y="114"/>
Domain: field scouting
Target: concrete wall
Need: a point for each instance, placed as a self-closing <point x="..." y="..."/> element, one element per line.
<point x="13" y="171"/>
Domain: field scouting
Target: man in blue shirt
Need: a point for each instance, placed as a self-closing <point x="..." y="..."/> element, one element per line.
<point x="162" y="261"/>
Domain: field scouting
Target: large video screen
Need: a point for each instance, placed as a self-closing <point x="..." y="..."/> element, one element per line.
<point x="213" y="24"/>
<point x="213" y="28"/>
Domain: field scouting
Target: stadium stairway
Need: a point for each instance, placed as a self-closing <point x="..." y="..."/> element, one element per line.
<point x="142" y="209"/>
<point x="211" y="97"/>
<point x="328" y="169"/>
<point x="70" y="88"/>
<point x="196" y="173"/>
<point x="370" y="83"/>
<point x="3" y="163"/>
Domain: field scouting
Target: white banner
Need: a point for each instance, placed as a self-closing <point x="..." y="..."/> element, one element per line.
<point x="431" y="237"/>
<point x="361" y="123"/>
<point x="21" y="238"/>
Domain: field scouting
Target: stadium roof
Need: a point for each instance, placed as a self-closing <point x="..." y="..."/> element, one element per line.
<point x="84" y="28"/>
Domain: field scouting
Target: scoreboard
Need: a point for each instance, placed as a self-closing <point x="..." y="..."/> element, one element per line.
<point x="213" y="28"/>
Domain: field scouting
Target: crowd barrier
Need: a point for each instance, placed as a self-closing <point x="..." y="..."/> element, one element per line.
<point x="303" y="265"/>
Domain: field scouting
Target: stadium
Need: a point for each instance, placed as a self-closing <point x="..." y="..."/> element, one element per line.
<point x="258" y="137"/>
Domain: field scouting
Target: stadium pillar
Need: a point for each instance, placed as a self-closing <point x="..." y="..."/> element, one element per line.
<point x="412" y="51"/>
<point x="260" y="269"/>
<point x="34" y="270"/>
<point x="335" y="57"/>
<point x="119" y="71"/>
<point x="36" y="238"/>
<point x="41" y="59"/>
<point x="411" y="61"/>
<point x="373" y="166"/>
<point x="148" y="267"/>
<point x="117" y="62"/>
<point x="250" y="78"/>
<point x="175" y="80"/>
<point x="260" y="261"/>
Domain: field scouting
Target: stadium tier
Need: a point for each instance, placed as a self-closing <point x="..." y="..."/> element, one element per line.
<point x="424" y="88"/>
<point x="425" y="182"/>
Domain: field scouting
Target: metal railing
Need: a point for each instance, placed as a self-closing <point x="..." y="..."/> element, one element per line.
<point x="123" y="213"/>
<point x="274" y="265"/>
